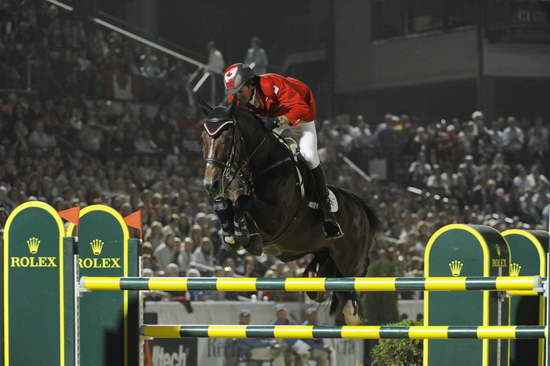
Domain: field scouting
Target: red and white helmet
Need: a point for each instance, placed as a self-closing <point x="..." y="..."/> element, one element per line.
<point x="235" y="76"/>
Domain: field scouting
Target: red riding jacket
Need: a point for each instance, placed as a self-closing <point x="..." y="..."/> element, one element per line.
<point x="284" y="96"/>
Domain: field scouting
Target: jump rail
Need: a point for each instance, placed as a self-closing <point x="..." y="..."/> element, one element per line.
<point x="362" y="332"/>
<point x="359" y="284"/>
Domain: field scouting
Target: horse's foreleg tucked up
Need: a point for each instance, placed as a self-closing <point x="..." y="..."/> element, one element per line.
<point x="224" y="209"/>
<point x="246" y="231"/>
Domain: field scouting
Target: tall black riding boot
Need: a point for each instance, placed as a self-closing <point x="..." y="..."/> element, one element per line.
<point x="331" y="227"/>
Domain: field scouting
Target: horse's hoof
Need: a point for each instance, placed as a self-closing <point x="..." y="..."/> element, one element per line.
<point x="241" y="240"/>
<point x="351" y="316"/>
<point x="229" y="247"/>
<point x="255" y="245"/>
<point x="317" y="296"/>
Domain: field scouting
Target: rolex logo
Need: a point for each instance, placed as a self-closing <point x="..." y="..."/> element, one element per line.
<point x="33" y="244"/>
<point x="515" y="269"/>
<point x="456" y="267"/>
<point x="97" y="246"/>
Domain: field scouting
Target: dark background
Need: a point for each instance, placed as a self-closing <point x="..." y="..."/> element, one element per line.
<point x="192" y="24"/>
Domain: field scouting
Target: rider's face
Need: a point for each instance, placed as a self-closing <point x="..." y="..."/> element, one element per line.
<point x="245" y="94"/>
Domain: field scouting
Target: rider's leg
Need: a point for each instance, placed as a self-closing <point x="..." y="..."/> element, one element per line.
<point x="331" y="226"/>
<point x="307" y="137"/>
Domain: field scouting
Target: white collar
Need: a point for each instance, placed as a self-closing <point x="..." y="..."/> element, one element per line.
<point x="254" y="101"/>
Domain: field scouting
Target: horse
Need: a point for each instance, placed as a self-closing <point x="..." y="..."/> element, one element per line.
<point x="244" y="158"/>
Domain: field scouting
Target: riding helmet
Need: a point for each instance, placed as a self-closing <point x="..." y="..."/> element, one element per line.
<point x="235" y="76"/>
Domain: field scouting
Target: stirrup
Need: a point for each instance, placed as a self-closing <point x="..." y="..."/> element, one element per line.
<point x="334" y="231"/>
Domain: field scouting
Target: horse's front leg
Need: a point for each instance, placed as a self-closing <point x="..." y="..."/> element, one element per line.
<point x="224" y="209"/>
<point x="246" y="230"/>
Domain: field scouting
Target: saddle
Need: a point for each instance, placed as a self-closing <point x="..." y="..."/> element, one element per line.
<point x="305" y="177"/>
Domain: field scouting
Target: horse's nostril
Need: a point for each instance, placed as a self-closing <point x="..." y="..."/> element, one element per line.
<point x="212" y="186"/>
<point x="216" y="185"/>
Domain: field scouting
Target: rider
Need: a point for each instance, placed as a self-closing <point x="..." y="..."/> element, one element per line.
<point x="292" y="104"/>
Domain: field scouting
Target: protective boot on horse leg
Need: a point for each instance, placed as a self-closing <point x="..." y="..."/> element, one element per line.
<point x="224" y="209"/>
<point x="246" y="231"/>
<point x="238" y="228"/>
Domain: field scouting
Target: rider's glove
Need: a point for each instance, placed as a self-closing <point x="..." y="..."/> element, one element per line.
<point x="270" y="122"/>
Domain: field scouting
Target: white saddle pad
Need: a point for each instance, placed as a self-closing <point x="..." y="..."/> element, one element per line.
<point x="333" y="202"/>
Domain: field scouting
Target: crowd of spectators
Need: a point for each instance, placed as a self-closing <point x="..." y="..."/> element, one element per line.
<point x="57" y="54"/>
<point x="467" y="170"/>
<point x="110" y="121"/>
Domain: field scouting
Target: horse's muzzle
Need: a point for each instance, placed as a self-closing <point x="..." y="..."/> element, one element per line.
<point x="212" y="187"/>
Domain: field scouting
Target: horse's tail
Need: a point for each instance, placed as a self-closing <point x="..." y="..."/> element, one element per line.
<point x="373" y="218"/>
<point x="339" y="299"/>
<point x="374" y="221"/>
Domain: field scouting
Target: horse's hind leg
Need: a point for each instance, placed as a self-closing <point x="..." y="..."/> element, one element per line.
<point x="345" y="307"/>
<point x="318" y="267"/>
<point x="351" y="312"/>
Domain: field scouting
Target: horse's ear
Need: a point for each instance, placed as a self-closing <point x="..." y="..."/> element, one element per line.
<point x="204" y="106"/>
<point x="229" y="107"/>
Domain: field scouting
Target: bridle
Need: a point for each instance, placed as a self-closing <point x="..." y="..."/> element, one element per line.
<point x="234" y="168"/>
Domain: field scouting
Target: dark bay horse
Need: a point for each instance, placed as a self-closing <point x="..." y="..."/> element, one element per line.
<point x="244" y="157"/>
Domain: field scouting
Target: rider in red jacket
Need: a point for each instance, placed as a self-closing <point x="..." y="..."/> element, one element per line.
<point x="276" y="96"/>
<point x="292" y="103"/>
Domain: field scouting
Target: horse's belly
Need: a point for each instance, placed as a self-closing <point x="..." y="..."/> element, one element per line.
<point x="283" y="252"/>
<point x="273" y="249"/>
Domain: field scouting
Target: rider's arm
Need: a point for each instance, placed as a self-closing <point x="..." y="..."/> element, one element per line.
<point x="284" y="92"/>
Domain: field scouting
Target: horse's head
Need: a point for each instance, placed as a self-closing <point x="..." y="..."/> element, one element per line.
<point x="218" y="147"/>
<point x="231" y="138"/>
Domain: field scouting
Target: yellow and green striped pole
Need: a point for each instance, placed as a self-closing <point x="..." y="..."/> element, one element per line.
<point x="359" y="284"/>
<point x="359" y="332"/>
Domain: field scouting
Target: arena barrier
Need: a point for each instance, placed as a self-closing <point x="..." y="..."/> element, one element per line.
<point x="38" y="259"/>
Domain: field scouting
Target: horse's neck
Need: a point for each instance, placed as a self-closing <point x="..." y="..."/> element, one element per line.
<point x="268" y="153"/>
<point x="276" y="192"/>
<point x="275" y="186"/>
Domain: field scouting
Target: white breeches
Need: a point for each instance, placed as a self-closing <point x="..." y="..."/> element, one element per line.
<point x="306" y="137"/>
